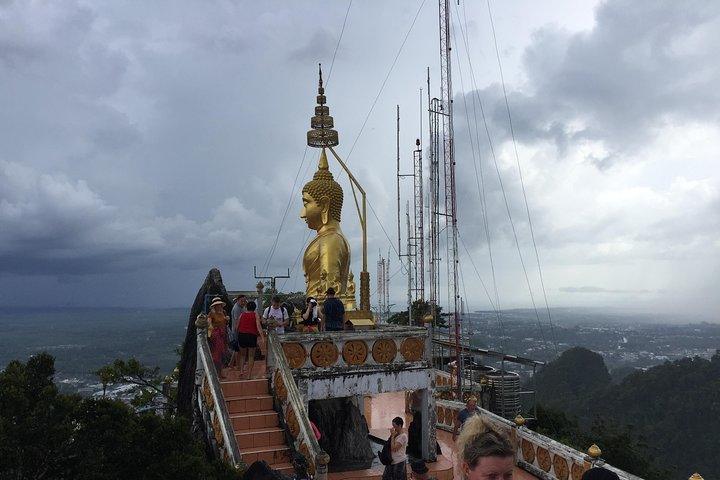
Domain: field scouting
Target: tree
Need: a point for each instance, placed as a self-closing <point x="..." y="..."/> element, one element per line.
<point x="45" y="434"/>
<point x="658" y="423"/>
<point x="148" y="381"/>
<point x="621" y="446"/>
<point x="420" y="308"/>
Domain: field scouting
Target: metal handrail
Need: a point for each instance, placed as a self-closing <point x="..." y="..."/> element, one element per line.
<point x="280" y="364"/>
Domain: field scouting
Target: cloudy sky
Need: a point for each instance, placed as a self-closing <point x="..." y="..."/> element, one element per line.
<point x="143" y="143"/>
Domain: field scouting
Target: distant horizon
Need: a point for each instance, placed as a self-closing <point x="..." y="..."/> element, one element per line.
<point x="674" y="317"/>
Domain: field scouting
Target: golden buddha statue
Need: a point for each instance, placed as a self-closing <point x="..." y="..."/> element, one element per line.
<point x="327" y="257"/>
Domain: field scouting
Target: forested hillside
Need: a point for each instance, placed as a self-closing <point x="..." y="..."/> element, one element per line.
<point x="664" y="421"/>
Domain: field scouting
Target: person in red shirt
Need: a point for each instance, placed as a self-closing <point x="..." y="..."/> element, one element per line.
<point x="248" y="331"/>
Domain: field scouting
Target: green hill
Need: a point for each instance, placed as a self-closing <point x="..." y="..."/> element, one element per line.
<point x="669" y="414"/>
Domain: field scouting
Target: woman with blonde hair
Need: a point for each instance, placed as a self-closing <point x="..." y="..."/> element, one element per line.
<point x="483" y="453"/>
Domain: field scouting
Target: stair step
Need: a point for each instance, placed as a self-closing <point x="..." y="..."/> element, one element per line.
<point x="260" y="437"/>
<point x="272" y="454"/>
<point x="233" y="388"/>
<point x="250" y="420"/>
<point x="249" y="403"/>
<point x="232" y="374"/>
<point x="285" y="468"/>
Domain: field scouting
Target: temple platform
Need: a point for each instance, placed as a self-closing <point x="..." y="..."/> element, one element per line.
<point x="379" y="412"/>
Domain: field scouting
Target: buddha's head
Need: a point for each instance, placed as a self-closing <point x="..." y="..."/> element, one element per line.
<point x="322" y="197"/>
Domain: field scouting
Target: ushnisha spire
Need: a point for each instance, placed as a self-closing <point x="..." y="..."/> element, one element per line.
<point x="321" y="134"/>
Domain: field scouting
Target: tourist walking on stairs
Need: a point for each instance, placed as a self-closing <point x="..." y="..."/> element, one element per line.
<point x="217" y="333"/>
<point x="248" y="331"/>
<point x="398" y="441"/>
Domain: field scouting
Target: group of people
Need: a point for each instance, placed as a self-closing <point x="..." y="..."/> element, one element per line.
<point x="245" y="329"/>
<point x="482" y="452"/>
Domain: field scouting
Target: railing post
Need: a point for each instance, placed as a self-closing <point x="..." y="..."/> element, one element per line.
<point x="201" y="325"/>
<point x="515" y="438"/>
<point x="594" y="453"/>
<point x="321" y="466"/>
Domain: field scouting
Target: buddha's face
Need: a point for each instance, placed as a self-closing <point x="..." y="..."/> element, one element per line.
<point x="313" y="210"/>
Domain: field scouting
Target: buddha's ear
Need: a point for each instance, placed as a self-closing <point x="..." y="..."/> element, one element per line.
<point x="324" y="208"/>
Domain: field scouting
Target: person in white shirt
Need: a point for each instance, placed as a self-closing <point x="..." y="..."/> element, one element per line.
<point x="275" y="317"/>
<point x="239" y="307"/>
<point x="398" y="441"/>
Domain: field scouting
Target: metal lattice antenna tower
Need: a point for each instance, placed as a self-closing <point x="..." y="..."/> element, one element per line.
<point x="419" y="224"/>
<point x="386" y="277"/>
<point x="381" y="288"/>
<point x="434" y="200"/>
<point x="449" y="173"/>
<point x="410" y="267"/>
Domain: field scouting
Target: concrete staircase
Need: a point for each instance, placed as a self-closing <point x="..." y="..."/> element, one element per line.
<point x="255" y="423"/>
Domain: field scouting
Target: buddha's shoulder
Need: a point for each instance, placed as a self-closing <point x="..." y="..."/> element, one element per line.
<point x="335" y="239"/>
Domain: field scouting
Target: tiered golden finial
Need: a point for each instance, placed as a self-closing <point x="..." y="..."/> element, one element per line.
<point x="321" y="134"/>
<point x="519" y="420"/>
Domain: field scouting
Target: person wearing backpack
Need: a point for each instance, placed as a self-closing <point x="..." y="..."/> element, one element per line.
<point x="275" y="317"/>
<point x="396" y="443"/>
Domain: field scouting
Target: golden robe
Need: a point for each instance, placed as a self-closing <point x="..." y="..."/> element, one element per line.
<point x="327" y="263"/>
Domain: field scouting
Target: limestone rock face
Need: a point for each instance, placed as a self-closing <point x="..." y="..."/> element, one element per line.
<point x="344" y="433"/>
<point x="213" y="285"/>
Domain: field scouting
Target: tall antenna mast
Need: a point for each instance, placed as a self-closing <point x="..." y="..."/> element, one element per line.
<point x="409" y="263"/>
<point x="419" y="226"/>
<point x="434" y="199"/>
<point x="449" y="171"/>
<point x="397" y="141"/>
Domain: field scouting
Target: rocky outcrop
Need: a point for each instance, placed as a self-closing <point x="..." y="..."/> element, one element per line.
<point x="344" y="434"/>
<point x="212" y="286"/>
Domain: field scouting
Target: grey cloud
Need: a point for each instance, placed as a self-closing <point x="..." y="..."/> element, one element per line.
<point x="643" y="65"/>
<point x="52" y="225"/>
<point x="602" y="290"/>
<point x="320" y="46"/>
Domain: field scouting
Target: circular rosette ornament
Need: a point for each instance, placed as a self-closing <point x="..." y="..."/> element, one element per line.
<point x="384" y="350"/>
<point x="324" y="354"/>
<point x="355" y="352"/>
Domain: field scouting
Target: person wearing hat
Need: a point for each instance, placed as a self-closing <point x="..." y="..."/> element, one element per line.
<point x="217" y="333"/>
<point x="419" y="470"/>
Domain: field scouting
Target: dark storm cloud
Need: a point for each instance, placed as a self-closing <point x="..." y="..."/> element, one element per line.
<point x="52" y="225"/>
<point x="165" y="137"/>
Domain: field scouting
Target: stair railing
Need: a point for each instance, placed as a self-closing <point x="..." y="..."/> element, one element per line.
<point x="297" y="423"/>
<point x="218" y="427"/>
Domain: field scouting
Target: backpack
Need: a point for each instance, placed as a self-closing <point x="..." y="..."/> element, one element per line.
<point x="384" y="455"/>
